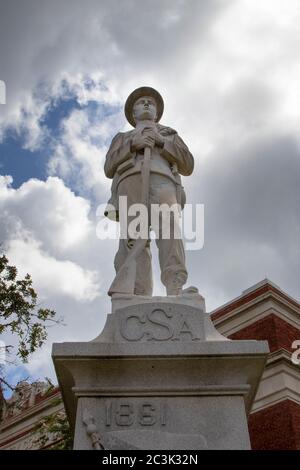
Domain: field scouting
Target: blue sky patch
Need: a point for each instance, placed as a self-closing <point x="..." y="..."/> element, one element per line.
<point x="20" y="163"/>
<point x="23" y="164"/>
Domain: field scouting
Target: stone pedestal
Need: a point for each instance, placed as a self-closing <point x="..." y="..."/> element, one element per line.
<point x="159" y="377"/>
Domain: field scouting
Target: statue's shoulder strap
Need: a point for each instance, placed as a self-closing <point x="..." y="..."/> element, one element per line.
<point x="164" y="130"/>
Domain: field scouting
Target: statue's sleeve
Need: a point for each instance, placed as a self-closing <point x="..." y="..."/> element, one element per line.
<point x="118" y="152"/>
<point x="176" y="151"/>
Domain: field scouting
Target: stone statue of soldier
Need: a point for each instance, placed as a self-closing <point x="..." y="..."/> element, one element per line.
<point x="125" y="159"/>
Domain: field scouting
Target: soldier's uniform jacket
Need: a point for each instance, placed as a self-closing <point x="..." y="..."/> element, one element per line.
<point x="172" y="160"/>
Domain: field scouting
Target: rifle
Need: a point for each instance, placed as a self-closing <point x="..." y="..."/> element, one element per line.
<point x="125" y="278"/>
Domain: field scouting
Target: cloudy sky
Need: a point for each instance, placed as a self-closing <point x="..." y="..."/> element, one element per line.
<point x="229" y="73"/>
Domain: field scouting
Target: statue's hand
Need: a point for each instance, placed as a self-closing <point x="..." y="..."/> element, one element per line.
<point x="140" y="141"/>
<point x="158" y="138"/>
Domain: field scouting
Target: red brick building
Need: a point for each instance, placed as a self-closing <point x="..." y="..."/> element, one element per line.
<point x="262" y="312"/>
<point x="265" y="312"/>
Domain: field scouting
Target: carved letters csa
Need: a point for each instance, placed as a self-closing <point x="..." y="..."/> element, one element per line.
<point x="157" y="325"/>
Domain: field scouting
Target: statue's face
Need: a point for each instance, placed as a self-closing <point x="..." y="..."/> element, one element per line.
<point x="145" y="108"/>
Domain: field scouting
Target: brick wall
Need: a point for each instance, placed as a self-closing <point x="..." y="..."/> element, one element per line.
<point x="277" y="427"/>
<point x="276" y="331"/>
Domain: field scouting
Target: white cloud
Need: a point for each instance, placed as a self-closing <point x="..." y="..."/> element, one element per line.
<point x="79" y="152"/>
<point x="52" y="276"/>
<point x="48" y="210"/>
<point x="188" y="53"/>
<point x="43" y="223"/>
<point x="226" y="69"/>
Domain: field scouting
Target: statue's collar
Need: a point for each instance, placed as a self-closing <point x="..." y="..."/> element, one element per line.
<point x="164" y="130"/>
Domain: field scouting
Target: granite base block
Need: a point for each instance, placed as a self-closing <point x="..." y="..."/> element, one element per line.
<point x="159" y="377"/>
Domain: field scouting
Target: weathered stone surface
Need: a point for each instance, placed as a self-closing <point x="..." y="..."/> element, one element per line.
<point x="159" y="319"/>
<point x="146" y="165"/>
<point x="125" y="300"/>
<point x="171" y="423"/>
<point x="159" y="377"/>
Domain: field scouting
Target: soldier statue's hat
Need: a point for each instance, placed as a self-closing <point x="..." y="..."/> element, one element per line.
<point x="138" y="93"/>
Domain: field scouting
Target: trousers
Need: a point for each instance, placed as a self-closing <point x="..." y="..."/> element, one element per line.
<point x="162" y="190"/>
